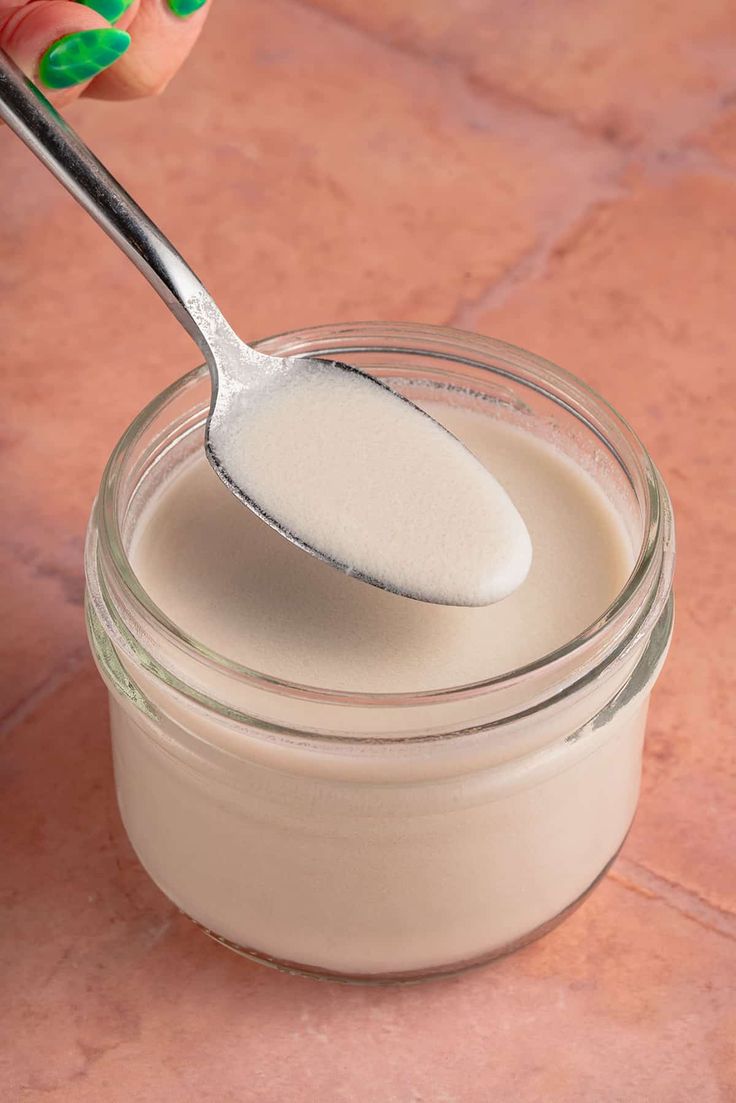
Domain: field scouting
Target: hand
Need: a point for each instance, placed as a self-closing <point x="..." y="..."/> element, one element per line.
<point x="110" y="49"/>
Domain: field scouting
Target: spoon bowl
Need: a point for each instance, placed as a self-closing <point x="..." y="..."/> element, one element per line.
<point x="359" y="476"/>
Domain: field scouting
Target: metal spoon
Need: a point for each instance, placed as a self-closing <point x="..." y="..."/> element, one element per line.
<point x="241" y="374"/>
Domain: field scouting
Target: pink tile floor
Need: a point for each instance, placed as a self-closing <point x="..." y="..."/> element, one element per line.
<point x="558" y="174"/>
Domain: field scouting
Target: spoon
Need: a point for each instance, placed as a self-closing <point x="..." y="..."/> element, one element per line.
<point x="330" y="457"/>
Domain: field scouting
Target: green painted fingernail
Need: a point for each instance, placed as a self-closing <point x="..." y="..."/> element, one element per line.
<point x="81" y="56"/>
<point x="110" y="9"/>
<point x="183" y="8"/>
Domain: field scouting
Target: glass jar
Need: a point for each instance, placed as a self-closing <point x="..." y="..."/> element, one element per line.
<point x="376" y="837"/>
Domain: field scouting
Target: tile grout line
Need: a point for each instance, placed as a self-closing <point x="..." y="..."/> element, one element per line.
<point x="45" y="689"/>
<point x="533" y="262"/>
<point x="532" y="265"/>
<point x="501" y="97"/>
<point x="498" y="95"/>
<point x="635" y="877"/>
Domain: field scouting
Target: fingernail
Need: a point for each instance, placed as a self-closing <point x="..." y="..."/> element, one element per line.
<point x="183" y="8"/>
<point x="81" y="56"/>
<point x="110" y="9"/>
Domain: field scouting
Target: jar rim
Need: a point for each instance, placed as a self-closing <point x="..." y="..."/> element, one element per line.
<point x="624" y="619"/>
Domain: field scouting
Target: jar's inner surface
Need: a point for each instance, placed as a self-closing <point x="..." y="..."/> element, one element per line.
<point x="230" y="582"/>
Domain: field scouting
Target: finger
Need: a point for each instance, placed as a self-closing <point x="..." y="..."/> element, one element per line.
<point x="61" y="45"/>
<point x="162" y="39"/>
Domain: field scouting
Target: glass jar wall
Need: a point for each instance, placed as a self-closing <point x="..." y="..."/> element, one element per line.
<point x="378" y="836"/>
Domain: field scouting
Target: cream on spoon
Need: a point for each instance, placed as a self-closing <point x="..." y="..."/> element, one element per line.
<point x="381" y="489"/>
<point x="330" y="457"/>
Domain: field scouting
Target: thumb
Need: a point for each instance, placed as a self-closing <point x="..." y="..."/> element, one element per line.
<point x="60" y="44"/>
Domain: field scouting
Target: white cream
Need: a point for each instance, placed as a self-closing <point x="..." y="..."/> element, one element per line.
<point x="357" y="474"/>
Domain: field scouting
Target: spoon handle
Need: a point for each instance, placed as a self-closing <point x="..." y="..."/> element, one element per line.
<point x="37" y="123"/>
